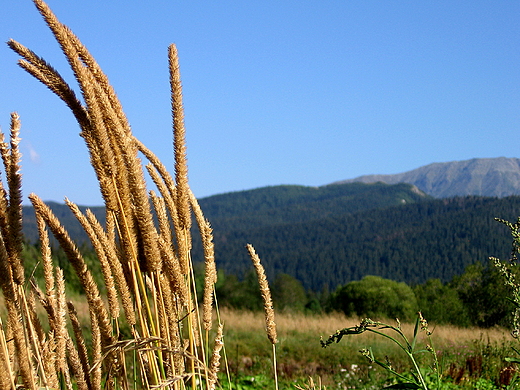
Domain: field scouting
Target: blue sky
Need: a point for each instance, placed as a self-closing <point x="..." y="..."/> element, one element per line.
<point x="276" y="92"/>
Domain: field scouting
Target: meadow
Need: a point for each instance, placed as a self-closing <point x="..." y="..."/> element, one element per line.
<point x="467" y="355"/>
<point x="140" y="324"/>
<point x="471" y="358"/>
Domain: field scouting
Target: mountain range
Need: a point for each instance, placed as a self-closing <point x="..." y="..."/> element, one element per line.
<point x="479" y="176"/>
<point x="407" y="236"/>
<point x="329" y="235"/>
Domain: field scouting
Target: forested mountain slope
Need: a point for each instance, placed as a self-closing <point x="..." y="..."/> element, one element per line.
<point x="263" y="206"/>
<point x="291" y="204"/>
<point x="410" y="242"/>
<point x="331" y="235"/>
<point x="66" y="218"/>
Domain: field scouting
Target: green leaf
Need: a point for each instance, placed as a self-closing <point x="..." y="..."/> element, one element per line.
<point x="512" y="360"/>
<point x="403" y="386"/>
<point x="517" y="304"/>
<point x="415" y="331"/>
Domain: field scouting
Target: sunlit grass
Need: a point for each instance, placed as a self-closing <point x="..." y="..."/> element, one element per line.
<point x="300" y="354"/>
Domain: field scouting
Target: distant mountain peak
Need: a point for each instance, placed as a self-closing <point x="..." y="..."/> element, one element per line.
<point x="498" y="177"/>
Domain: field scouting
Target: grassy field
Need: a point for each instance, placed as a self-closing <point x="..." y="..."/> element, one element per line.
<point x="145" y="328"/>
<point x="466" y="354"/>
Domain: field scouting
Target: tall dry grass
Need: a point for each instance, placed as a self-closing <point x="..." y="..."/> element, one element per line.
<point x="148" y="331"/>
<point x="301" y="355"/>
<point x="325" y="324"/>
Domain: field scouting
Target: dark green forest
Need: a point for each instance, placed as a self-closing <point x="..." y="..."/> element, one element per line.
<point x="411" y="242"/>
<point x="475" y="298"/>
<point x="289" y="204"/>
<point x="66" y="218"/>
<point x="318" y="245"/>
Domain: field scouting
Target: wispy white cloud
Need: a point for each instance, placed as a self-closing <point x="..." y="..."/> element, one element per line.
<point x="33" y="154"/>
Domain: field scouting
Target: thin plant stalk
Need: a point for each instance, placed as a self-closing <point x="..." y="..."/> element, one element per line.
<point x="146" y="267"/>
<point x="409" y="348"/>
<point x="270" y="324"/>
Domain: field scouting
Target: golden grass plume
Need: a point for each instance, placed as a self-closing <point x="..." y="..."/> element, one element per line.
<point x="147" y="267"/>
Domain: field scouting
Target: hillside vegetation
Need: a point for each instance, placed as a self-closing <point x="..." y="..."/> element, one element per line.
<point x="328" y="236"/>
<point x="67" y="218"/>
<point x="263" y="206"/>
<point x="136" y="309"/>
<point x="411" y="242"/>
<point x="293" y="204"/>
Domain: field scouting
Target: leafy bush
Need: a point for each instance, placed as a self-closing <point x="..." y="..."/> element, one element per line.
<point x="484" y="293"/>
<point x="376" y="297"/>
<point x="441" y="303"/>
<point x="288" y="294"/>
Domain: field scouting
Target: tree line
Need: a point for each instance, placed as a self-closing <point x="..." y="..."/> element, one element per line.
<point x="477" y="297"/>
<point x="328" y="236"/>
<point x="411" y="243"/>
<point x="330" y="246"/>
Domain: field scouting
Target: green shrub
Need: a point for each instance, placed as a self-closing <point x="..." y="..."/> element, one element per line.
<point x="483" y="292"/>
<point x="288" y="294"/>
<point x="376" y="297"/>
<point x="441" y="304"/>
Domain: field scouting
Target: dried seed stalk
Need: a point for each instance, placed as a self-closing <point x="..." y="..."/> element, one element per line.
<point x="214" y="362"/>
<point x="80" y="342"/>
<point x="117" y="269"/>
<point x="76" y="259"/>
<point x="266" y="295"/>
<point x="210" y="278"/>
<point x="113" y="302"/>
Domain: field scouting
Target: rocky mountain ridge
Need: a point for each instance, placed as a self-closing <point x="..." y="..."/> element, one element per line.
<point x="498" y="177"/>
